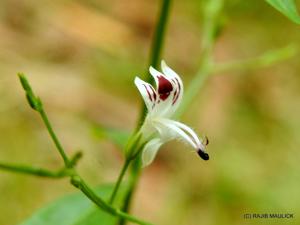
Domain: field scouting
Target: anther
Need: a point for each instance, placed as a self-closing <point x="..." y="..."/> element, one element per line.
<point x="203" y="154"/>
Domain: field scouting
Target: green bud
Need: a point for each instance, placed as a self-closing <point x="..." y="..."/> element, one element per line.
<point x="24" y="82"/>
<point x="34" y="102"/>
<point x="75" y="159"/>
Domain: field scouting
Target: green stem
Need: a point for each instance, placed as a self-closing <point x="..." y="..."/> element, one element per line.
<point x="54" y="137"/>
<point x="267" y="59"/>
<point x="133" y="180"/>
<point x="155" y="55"/>
<point x="132" y="150"/>
<point x="159" y="34"/>
<point x="76" y="181"/>
<point x="211" y="14"/>
<point x="35" y="171"/>
<point x="85" y="189"/>
<point x="120" y="178"/>
<point x="157" y="45"/>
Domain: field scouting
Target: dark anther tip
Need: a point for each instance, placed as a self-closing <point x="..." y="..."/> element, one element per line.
<point x="203" y="155"/>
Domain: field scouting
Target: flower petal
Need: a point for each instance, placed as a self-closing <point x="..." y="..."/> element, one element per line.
<point x="188" y="130"/>
<point x="150" y="150"/>
<point x="164" y="86"/>
<point x="169" y="130"/>
<point x="178" y="85"/>
<point x="169" y="89"/>
<point x="148" y="93"/>
<point x="155" y="74"/>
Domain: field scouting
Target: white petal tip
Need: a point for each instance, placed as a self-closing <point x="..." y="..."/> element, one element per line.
<point x="150" y="150"/>
<point x="152" y="70"/>
<point x="145" y="164"/>
<point x="147" y="158"/>
<point x="137" y="80"/>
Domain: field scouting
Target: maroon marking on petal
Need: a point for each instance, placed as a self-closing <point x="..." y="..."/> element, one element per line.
<point x="175" y="97"/>
<point x="164" y="87"/>
<point x="177" y="92"/>
<point x="175" y="100"/>
<point x="154" y="92"/>
<point x="178" y="84"/>
<point x="149" y="95"/>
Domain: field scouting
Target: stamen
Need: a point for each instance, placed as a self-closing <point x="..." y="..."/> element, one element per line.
<point x="206" y="141"/>
<point x="203" y="154"/>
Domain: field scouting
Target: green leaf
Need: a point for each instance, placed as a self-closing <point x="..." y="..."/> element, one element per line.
<point x="119" y="137"/>
<point x="287" y="8"/>
<point x="74" y="209"/>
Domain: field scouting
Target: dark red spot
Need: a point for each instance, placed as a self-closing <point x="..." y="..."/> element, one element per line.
<point x="164" y="87"/>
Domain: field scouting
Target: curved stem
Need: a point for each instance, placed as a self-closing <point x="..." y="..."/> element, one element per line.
<point x="76" y="180"/>
<point x="119" y="180"/>
<point x="37" y="105"/>
<point x="81" y="185"/>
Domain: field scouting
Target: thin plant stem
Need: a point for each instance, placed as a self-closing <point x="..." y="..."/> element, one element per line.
<point x="266" y="59"/>
<point x="40" y="172"/>
<point x="159" y="34"/>
<point x="132" y="150"/>
<point x="156" y="47"/>
<point x="211" y="15"/>
<point x="155" y="56"/>
<point x="76" y="180"/>
<point x="135" y="173"/>
<point x="208" y="67"/>
<point x="119" y="180"/>
<point x="87" y="191"/>
<point x="54" y="137"/>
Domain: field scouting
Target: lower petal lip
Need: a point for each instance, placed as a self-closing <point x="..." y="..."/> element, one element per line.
<point x="203" y="155"/>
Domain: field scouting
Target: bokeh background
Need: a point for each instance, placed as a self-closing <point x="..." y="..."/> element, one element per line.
<point x="81" y="58"/>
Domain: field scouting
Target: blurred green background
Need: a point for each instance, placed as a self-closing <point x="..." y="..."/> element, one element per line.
<point x="81" y="58"/>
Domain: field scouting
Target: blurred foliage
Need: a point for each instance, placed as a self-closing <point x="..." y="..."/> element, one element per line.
<point x="286" y="7"/>
<point x="82" y="56"/>
<point x="73" y="209"/>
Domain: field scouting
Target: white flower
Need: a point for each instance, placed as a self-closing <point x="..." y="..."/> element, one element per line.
<point x="162" y="103"/>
